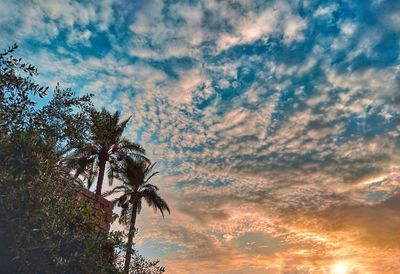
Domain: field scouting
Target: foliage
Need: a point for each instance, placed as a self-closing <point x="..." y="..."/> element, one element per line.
<point x="43" y="226"/>
<point x="135" y="173"/>
<point x="105" y="144"/>
<point x="138" y="263"/>
<point x="142" y="265"/>
<point x="63" y="122"/>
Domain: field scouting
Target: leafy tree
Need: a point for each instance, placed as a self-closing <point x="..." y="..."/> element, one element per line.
<point x="141" y="265"/>
<point x="44" y="228"/>
<point x="15" y="89"/>
<point x="106" y="144"/>
<point x="135" y="173"/>
<point x="63" y="122"/>
<point x="138" y="263"/>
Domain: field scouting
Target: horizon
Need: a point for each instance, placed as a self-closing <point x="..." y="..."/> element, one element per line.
<point x="275" y="125"/>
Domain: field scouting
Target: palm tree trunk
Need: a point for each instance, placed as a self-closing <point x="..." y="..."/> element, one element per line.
<point x="102" y="168"/>
<point x="130" y="238"/>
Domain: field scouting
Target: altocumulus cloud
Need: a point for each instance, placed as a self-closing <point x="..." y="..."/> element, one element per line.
<point x="275" y="123"/>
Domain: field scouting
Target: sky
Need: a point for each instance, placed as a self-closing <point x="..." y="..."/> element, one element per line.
<point x="274" y="124"/>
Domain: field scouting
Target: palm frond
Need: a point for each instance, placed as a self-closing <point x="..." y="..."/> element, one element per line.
<point x="111" y="173"/>
<point x="129" y="147"/>
<point x="162" y="205"/>
<point x="125" y="213"/>
<point x="149" y="177"/>
<point x="150" y="186"/>
<point x="117" y="189"/>
<point x="122" y="125"/>
<point x="82" y="165"/>
<point x="80" y="158"/>
<point x="92" y="172"/>
<point x="155" y="201"/>
<point x="123" y="199"/>
<point x="139" y="206"/>
<point x="136" y="173"/>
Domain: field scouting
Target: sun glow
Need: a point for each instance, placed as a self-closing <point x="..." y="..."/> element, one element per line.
<point x="340" y="268"/>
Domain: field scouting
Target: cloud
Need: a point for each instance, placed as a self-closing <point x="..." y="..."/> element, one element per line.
<point x="275" y="124"/>
<point x="46" y="20"/>
<point x="159" y="36"/>
<point x="326" y="11"/>
<point x="249" y="26"/>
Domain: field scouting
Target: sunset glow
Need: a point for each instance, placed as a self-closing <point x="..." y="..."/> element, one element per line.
<point x="340" y="268"/>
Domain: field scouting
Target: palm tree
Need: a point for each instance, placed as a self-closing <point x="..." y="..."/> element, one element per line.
<point x="135" y="173"/>
<point x="105" y="145"/>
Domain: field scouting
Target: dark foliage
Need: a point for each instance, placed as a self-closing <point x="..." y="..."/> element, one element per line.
<point x="105" y="145"/>
<point x="135" y="173"/>
<point x="44" y="228"/>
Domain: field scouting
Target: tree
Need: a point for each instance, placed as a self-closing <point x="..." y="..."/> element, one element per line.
<point x="63" y="122"/>
<point x="106" y="144"/>
<point x="135" y="174"/>
<point x="43" y="227"/>
<point x="140" y="264"/>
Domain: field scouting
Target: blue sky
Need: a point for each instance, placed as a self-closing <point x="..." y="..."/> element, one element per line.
<point x="275" y="124"/>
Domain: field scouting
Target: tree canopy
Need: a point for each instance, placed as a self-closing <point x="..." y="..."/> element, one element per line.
<point x="44" y="228"/>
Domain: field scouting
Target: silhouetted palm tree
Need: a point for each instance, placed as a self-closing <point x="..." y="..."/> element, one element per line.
<point x="106" y="145"/>
<point x="135" y="174"/>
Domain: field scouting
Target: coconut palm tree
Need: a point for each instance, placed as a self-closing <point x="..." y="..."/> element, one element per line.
<point x="135" y="173"/>
<point x="106" y="144"/>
